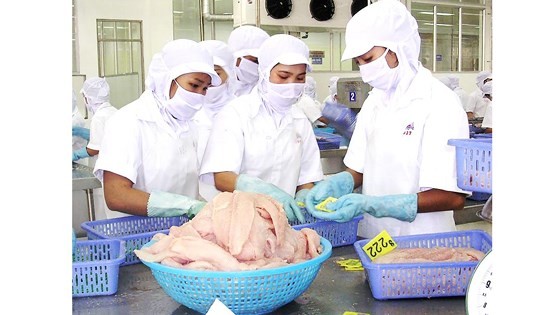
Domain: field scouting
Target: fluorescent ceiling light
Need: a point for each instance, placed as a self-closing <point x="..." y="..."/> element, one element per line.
<point x="178" y="12"/>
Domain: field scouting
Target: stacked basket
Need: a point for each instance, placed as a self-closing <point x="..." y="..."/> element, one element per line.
<point x="474" y="166"/>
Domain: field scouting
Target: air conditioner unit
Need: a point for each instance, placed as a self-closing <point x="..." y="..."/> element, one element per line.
<point x="254" y="12"/>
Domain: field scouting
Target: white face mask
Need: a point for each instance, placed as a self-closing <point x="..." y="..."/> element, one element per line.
<point x="184" y="104"/>
<point x="378" y="74"/>
<point x="216" y="96"/>
<point x="487" y="87"/>
<point x="281" y="97"/>
<point x="247" y="72"/>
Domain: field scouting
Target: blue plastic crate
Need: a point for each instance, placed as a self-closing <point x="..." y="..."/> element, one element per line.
<point x="327" y="140"/>
<point x="478" y="196"/>
<point x="338" y="234"/>
<point x="134" y="230"/>
<point x="95" y="267"/>
<point x="482" y="136"/>
<point x="474" y="164"/>
<point x="424" y="280"/>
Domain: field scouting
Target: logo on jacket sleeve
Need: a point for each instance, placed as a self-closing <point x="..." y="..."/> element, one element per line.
<point x="408" y="129"/>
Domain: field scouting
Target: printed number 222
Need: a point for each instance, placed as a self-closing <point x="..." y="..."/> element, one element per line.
<point x="376" y="248"/>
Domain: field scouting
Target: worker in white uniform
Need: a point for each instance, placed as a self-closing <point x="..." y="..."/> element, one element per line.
<point x="148" y="163"/>
<point x="96" y="92"/>
<point x="398" y="153"/>
<point x="245" y="42"/>
<point x="487" y="121"/>
<point x="452" y="82"/>
<point x="332" y="97"/>
<point x="476" y="106"/>
<point x="260" y="142"/>
<point x="309" y="104"/>
<point x="216" y="98"/>
<point x="80" y="134"/>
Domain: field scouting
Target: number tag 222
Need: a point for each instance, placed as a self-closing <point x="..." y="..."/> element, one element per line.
<point x="379" y="245"/>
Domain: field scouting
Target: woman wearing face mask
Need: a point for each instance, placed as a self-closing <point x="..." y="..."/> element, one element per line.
<point x="398" y="153"/>
<point x="260" y="142"/>
<point x="245" y="42"/>
<point x="487" y="121"/>
<point x="148" y="163"/>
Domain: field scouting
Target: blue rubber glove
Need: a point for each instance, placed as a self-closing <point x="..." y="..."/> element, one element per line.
<point x="164" y="204"/>
<point x="336" y="185"/>
<point x="81" y="132"/>
<point x="402" y="207"/>
<point x="79" y="154"/>
<point x="257" y="185"/>
<point x="340" y="117"/>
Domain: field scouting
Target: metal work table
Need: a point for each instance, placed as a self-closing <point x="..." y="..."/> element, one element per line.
<point x="83" y="179"/>
<point x="334" y="291"/>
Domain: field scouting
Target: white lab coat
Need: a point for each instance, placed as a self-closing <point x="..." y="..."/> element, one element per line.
<point x="402" y="149"/>
<point x="477" y="104"/>
<point x="78" y="142"/>
<point x="487" y="121"/>
<point x="142" y="147"/>
<point x="97" y="132"/>
<point x="311" y="108"/>
<point x="245" y="139"/>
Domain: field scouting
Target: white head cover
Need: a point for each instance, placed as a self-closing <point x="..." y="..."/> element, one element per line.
<point x="246" y="40"/>
<point x="96" y="90"/>
<point x="310" y="87"/>
<point x="333" y="81"/>
<point x="221" y="55"/>
<point x="284" y="49"/>
<point x="450" y="81"/>
<point x="176" y="58"/>
<point x="481" y="76"/>
<point x="386" y="23"/>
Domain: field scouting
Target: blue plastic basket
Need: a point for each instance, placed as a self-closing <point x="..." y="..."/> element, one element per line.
<point x="338" y="234"/>
<point x="482" y="136"/>
<point x="243" y="292"/>
<point x="424" y="280"/>
<point x="478" y="196"/>
<point x="95" y="267"/>
<point x="474" y="164"/>
<point x="134" y="230"/>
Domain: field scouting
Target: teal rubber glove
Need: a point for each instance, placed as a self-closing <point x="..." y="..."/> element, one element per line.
<point x="79" y="154"/>
<point x="402" y="207"/>
<point x="164" y="204"/>
<point x="81" y="132"/>
<point x="253" y="184"/>
<point x="300" y="197"/>
<point x="336" y="185"/>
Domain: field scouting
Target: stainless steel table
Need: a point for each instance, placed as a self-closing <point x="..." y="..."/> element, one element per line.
<point x="83" y="179"/>
<point x="334" y="291"/>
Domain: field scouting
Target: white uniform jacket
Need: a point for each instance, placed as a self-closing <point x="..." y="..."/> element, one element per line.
<point x="402" y="149"/>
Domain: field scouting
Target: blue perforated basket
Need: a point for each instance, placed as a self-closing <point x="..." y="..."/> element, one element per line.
<point x="327" y="141"/>
<point x="424" y="280"/>
<point x="134" y="230"/>
<point x="243" y="292"/>
<point x="95" y="267"/>
<point x="338" y="234"/>
<point x="474" y="164"/>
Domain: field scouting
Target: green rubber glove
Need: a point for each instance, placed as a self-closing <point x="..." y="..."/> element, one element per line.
<point x="402" y="207"/>
<point x="300" y="197"/>
<point x="336" y="186"/>
<point x="257" y="185"/>
<point x="163" y="204"/>
<point x="81" y="132"/>
<point x="79" y="154"/>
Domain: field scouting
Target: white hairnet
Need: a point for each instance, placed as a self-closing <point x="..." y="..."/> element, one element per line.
<point x="310" y="87"/>
<point x="284" y="49"/>
<point x="450" y="81"/>
<point x="96" y="90"/>
<point x="176" y="58"/>
<point x="481" y="76"/>
<point x="246" y="40"/>
<point x="385" y="23"/>
<point x="333" y="81"/>
<point x="222" y="55"/>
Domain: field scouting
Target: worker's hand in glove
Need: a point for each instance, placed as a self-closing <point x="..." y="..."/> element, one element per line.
<point x="336" y="185"/>
<point x="253" y="184"/>
<point x="402" y="207"/>
<point x="300" y="197"/>
<point x="163" y="204"/>
<point x="80" y="132"/>
<point x="79" y="154"/>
